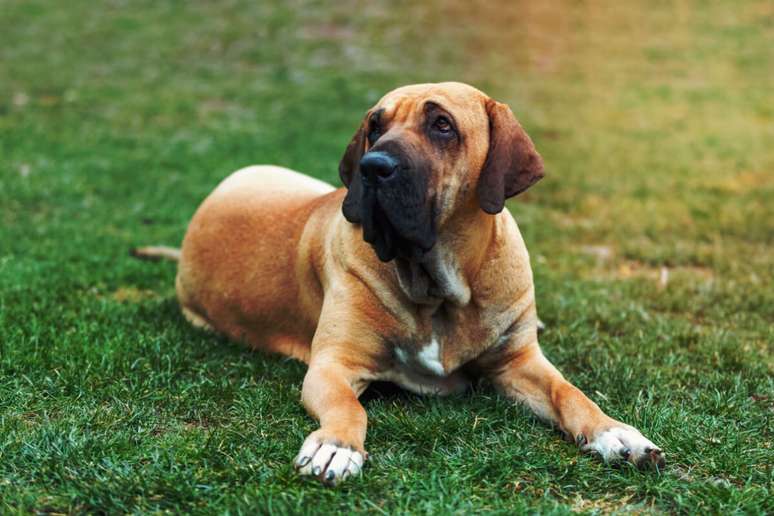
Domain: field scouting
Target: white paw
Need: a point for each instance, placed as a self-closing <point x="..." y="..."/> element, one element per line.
<point x="625" y="443"/>
<point x="328" y="462"/>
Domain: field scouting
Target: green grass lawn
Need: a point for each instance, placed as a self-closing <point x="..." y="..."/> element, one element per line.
<point x="656" y="122"/>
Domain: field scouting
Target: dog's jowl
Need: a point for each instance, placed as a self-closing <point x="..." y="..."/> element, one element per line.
<point x="413" y="273"/>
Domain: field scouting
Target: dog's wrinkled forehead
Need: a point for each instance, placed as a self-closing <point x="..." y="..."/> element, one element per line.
<point x="465" y="103"/>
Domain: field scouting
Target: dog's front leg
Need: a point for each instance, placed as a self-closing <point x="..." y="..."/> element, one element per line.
<point x="330" y="393"/>
<point x="521" y="372"/>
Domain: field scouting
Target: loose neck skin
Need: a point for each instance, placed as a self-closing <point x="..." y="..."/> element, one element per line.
<point x="469" y="233"/>
<point x="453" y="264"/>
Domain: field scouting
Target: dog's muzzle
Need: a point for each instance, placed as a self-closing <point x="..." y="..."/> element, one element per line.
<point x="396" y="214"/>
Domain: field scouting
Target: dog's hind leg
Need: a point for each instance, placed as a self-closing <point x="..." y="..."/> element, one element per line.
<point x="188" y="307"/>
<point x="196" y="320"/>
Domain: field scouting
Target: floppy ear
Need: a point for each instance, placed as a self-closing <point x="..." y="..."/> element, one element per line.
<point x="512" y="165"/>
<point x="350" y="175"/>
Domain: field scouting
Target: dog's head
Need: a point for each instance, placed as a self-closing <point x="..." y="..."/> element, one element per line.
<point x="428" y="151"/>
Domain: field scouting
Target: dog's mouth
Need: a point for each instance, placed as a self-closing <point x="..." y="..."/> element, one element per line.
<point x="405" y="230"/>
<point x="399" y="224"/>
<point x="408" y="242"/>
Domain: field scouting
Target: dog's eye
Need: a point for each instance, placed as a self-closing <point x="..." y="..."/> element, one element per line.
<point x="442" y="125"/>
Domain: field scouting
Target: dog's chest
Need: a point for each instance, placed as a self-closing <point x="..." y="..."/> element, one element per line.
<point x="430" y="362"/>
<point x="424" y="369"/>
<point x="426" y="360"/>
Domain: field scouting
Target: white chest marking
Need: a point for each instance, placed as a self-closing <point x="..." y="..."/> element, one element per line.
<point x="430" y="357"/>
<point x="423" y="371"/>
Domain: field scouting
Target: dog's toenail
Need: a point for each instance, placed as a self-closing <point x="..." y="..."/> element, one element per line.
<point x="580" y="439"/>
<point x="330" y="475"/>
<point x="303" y="461"/>
<point x="625" y="452"/>
<point x="316" y="470"/>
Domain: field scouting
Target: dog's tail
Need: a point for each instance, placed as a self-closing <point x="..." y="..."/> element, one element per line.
<point x="156" y="253"/>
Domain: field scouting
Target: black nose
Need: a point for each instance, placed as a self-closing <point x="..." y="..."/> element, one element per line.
<point x="377" y="164"/>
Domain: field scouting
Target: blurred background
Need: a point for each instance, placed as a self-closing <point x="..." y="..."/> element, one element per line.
<point x="655" y="121"/>
<point x="651" y="236"/>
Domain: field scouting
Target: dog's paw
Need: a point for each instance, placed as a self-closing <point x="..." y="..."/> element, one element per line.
<point x="328" y="459"/>
<point x="624" y="443"/>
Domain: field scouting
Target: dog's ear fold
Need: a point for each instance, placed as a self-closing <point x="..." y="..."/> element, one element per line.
<point x="512" y="165"/>
<point x="350" y="161"/>
<point x="350" y="176"/>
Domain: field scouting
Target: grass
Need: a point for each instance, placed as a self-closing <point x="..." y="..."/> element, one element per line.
<point x="656" y="122"/>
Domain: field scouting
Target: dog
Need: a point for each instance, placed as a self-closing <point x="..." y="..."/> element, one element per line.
<point x="414" y="273"/>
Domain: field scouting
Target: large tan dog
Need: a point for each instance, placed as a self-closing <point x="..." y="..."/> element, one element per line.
<point x="413" y="274"/>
